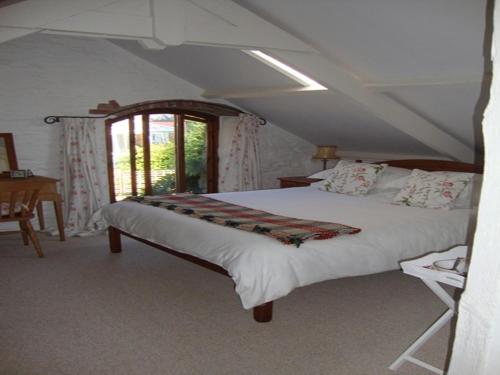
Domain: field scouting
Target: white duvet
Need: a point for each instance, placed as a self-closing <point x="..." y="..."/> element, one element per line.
<point x="264" y="269"/>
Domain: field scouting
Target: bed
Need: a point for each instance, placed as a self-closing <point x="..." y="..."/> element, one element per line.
<point x="263" y="269"/>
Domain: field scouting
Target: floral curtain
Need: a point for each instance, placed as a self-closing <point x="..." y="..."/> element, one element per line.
<point x="239" y="153"/>
<point x="81" y="188"/>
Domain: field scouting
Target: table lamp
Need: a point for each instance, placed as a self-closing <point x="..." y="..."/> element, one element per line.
<point x="325" y="153"/>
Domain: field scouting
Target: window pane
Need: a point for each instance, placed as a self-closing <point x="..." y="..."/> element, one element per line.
<point x="121" y="159"/>
<point x="162" y="145"/>
<point x="195" y="151"/>
<point x="139" y="155"/>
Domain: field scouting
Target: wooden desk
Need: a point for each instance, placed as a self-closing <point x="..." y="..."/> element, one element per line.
<point x="49" y="194"/>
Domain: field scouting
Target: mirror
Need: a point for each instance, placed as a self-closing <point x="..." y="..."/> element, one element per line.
<point x="8" y="160"/>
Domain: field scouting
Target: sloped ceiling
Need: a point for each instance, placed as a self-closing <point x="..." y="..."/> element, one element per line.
<point x="330" y="118"/>
<point x="388" y="40"/>
<point x="403" y="76"/>
<point x="318" y="117"/>
<point x="211" y="67"/>
<point x="428" y="56"/>
<point x="424" y="56"/>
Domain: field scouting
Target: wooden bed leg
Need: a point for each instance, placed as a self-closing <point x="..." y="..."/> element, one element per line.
<point x="263" y="313"/>
<point x="115" y="243"/>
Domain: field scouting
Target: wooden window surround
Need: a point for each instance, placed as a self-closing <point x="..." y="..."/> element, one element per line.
<point x="181" y="115"/>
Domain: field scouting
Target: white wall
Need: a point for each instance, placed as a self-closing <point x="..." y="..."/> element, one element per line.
<point x="44" y="75"/>
<point x="284" y="154"/>
<point x="476" y="349"/>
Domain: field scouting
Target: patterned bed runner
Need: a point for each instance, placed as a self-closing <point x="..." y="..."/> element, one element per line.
<point x="288" y="230"/>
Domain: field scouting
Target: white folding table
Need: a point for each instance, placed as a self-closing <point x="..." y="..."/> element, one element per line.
<point x="421" y="268"/>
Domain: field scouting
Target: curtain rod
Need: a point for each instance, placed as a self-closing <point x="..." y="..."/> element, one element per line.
<point x="53" y="119"/>
<point x="177" y="104"/>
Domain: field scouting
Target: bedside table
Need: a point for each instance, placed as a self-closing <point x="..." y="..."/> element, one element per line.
<point x="296" y="181"/>
<point x="422" y="268"/>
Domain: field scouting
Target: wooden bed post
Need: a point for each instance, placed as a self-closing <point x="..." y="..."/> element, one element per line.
<point x="263" y="313"/>
<point x="115" y="242"/>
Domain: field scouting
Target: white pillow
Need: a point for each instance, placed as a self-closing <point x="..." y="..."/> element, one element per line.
<point x="469" y="197"/>
<point x="352" y="178"/>
<point x="432" y="189"/>
<point x="392" y="178"/>
<point x="322" y="174"/>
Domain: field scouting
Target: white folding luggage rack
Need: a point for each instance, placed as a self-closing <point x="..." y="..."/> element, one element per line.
<point x="422" y="268"/>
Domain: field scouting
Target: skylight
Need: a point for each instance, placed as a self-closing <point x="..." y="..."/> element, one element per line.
<point x="307" y="82"/>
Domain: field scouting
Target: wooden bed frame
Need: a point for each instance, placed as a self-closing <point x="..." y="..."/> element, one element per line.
<point x="263" y="313"/>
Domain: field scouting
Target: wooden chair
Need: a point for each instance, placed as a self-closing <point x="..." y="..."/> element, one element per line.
<point x="18" y="200"/>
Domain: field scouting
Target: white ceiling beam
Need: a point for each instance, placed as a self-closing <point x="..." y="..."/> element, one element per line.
<point x="99" y="18"/>
<point x="394" y="114"/>
<point x="157" y="23"/>
<point x="152" y="43"/>
<point x="254" y="92"/>
<point x="37" y="13"/>
<point x="92" y="35"/>
<point x="105" y="23"/>
<point x="169" y="21"/>
<point x="9" y="33"/>
<point x="387" y="86"/>
<point x="220" y="23"/>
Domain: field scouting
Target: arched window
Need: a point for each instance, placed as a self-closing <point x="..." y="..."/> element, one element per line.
<point x="164" y="147"/>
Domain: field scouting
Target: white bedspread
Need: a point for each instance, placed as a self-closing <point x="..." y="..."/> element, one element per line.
<point x="264" y="269"/>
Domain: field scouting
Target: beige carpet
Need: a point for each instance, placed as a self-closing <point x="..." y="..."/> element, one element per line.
<point x="83" y="310"/>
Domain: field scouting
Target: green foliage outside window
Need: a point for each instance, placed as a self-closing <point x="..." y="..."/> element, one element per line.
<point x="163" y="158"/>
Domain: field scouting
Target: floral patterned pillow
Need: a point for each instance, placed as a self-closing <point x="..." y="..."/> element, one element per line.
<point x="432" y="189"/>
<point x="352" y="178"/>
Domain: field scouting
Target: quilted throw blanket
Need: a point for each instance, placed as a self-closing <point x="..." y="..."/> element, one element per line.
<point x="285" y="229"/>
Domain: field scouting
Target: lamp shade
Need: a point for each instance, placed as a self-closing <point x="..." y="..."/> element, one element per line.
<point x="326" y="152"/>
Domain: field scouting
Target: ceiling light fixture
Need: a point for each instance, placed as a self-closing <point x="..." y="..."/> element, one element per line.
<point x="307" y="82"/>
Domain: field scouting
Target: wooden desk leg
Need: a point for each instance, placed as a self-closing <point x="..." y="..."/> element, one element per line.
<point x="39" y="214"/>
<point x="59" y="217"/>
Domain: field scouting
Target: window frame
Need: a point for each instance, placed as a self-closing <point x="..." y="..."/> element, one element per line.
<point x="180" y="116"/>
